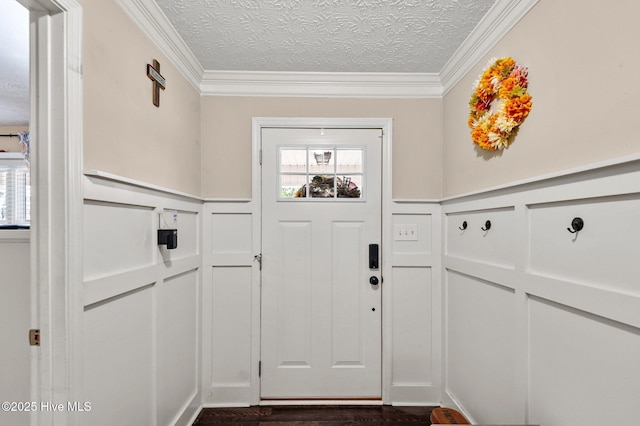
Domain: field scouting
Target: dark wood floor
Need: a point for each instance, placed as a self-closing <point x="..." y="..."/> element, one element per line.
<point x="315" y="416"/>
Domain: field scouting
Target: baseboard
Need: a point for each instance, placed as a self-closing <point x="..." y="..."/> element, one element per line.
<point x="450" y="401"/>
<point x="189" y="416"/>
<point x="272" y="402"/>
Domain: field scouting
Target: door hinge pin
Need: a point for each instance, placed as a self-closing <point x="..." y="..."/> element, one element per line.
<point x="258" y="257"/>
<point x="34" y="337"/>
<point x="259" y="368"/>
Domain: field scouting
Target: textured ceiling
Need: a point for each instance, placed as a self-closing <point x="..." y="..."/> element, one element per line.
<point x="324" y="35"/>
<point x="14" y="63"/>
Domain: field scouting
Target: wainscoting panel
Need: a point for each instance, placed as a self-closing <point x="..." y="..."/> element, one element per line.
<point x="481" y="346"/>
<point x="412" y="326"/>
<point x="231" y="305"/>
<point x="231" y="233"/>
<point x="494" y="246"/>
<point x="231" y="327"/>
<point x="412" y="252"/>
<point x="603" y="254"/>
<point x="142" y="303"/>
<point x="119" y="359"/>
<point x="411" y="306"/>
<point x="583" y="367"/>
<point x="543" y="324"/>
<point x="178" y="320"/>
<point x="117" y="238"/>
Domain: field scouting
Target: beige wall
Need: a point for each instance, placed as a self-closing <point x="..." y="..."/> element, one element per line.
<point x="11" y="144"/>
<point x="583" y="61"/>
<point x="582" y="67"/>
<point x="124" y="133"/>
<point x="226" y="139"/>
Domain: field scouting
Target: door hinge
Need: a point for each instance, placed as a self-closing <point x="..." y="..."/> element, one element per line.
<point x="259" y="368"/>
<point x="258" y="257"/>
<point x="34" y="337"/>
<point x="260" y="157"/>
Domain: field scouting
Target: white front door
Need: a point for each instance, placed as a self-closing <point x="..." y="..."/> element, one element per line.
<point x="321" y="212"/>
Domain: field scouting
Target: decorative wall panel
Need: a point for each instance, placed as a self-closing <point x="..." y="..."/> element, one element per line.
<point x="604" y="253"/>
<point x="412" y="326"/>
<point x="141" y="317"/>
<point x="231" y="233"/>
<point x="231" y="305"/>
<point x="117" y="238"/>
<point x="231" y="327"/>
<point x="119" y="359"/>
<point x="178" y="322"/>
<point x="481" y="347"/>
<point x="494" y="246"/>
<point x="550" y="333"/>
<point x="582" y="367"/>
<point x="411" y="305"/>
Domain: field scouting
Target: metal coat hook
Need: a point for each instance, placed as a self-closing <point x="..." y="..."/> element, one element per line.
<point x="464" y="226"/>
<point x="487" y="226"/>
<point x="576" y="225"/>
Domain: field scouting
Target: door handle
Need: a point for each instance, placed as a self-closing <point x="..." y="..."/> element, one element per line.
<point x="374" y="280"/>
<point x="373" y="256"/>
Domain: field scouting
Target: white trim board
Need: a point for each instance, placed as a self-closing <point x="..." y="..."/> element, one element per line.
<point x="319" y="84"/>
<point x="56" y="222"/>
<point x="133" y="182"/>
<point x="502" y="16"/>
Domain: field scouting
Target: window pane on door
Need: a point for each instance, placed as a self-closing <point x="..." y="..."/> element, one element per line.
<point x="322" y="161"/>
<point x="322" y="186"/>
<point x="350" y="186"/>
<point x="293" y="186"/>
<point x="321" y="172"/>
<point x="349" y="161"/>
<point x="293" y="160"/>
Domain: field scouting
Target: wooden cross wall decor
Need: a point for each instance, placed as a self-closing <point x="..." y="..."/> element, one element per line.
<point x="153" y="72"/>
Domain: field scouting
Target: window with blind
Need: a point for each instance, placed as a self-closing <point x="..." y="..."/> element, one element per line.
<point x="15" y="191"/>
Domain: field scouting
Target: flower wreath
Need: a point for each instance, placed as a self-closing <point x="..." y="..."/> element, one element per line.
<point x="499" y="104"/>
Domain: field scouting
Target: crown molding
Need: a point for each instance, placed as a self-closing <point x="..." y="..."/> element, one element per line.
<point x="498" y="21"/>
<point x="152" y="21"/>
<point x="321" y="84"/>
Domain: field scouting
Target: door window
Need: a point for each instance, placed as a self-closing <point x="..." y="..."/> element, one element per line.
<point x="320" y="173"/>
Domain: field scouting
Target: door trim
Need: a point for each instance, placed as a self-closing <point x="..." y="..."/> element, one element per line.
<point x="56" y="220"/>
<point x="386" y="124"/>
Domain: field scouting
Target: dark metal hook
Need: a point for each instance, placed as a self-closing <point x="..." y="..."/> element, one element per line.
<point x="576" y="225"/>
<point x="464" y="226"/>
<point x="487" y="226"/>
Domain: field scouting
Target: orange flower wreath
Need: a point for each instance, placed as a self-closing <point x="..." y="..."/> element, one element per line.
<point x="499" y="104"/>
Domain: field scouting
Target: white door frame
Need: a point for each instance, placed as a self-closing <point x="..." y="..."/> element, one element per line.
<point x="56" y="221"/>
<point x="386" y="124"/>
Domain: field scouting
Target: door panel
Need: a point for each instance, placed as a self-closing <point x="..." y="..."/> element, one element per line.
<point x="346" y="320"/>
<point x="294" y="298"/>
<point x="321" y="208"/>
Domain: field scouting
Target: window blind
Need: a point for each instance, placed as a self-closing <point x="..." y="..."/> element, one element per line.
<point x="15" y="193"/>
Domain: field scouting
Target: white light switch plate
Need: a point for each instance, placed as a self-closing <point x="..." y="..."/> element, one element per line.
<point x="405" y="232"/>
